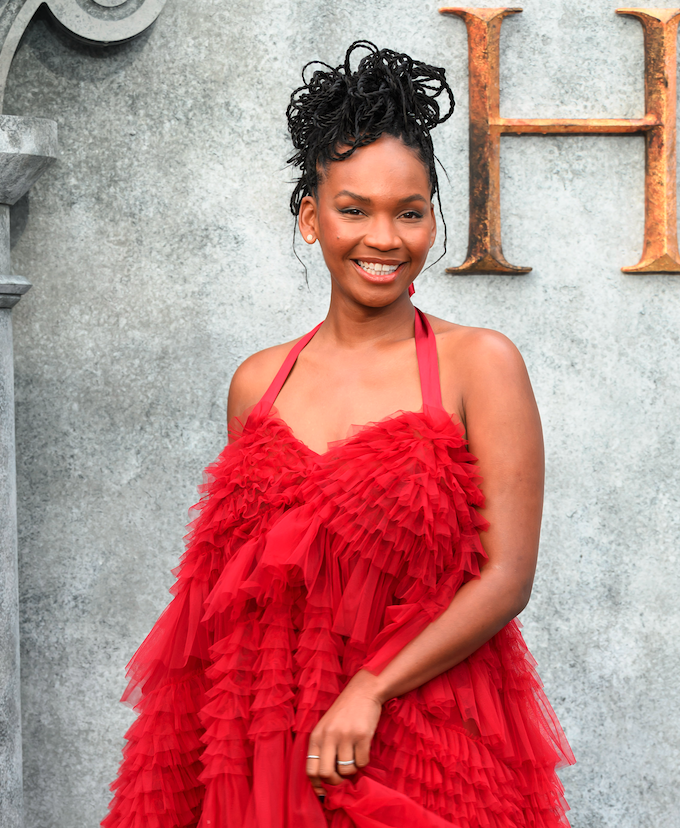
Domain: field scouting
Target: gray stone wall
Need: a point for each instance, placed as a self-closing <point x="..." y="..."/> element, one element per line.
<point x="159" y="247"/>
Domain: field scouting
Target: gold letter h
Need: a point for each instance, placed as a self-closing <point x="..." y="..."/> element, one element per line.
<point x="660" y="248"/>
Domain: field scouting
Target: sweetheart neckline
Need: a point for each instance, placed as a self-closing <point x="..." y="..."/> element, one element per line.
<point x="274" y="415"/>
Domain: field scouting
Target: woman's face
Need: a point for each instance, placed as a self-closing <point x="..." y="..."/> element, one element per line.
<point x="374" y="219"/>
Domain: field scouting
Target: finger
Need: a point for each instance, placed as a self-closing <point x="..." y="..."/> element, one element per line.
<point x="327" y="769"/>
<point x="313" y="759"/>
<point x="317" y="786"/>
<point x="312" y="767"/>
<point x="345" y="755"/>
<point x="362" y="753"/>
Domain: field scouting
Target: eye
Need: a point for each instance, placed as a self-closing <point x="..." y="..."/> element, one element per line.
<point x="351" y="211"/>
<point x="412" y="214"/>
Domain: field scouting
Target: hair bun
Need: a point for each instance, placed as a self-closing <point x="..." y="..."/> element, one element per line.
<point x="388" y="93"/>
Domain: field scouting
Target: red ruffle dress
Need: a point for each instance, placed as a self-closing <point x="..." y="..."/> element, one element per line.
<point x="300" y="569"/>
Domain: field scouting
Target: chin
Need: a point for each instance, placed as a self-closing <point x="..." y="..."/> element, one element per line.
<point x="377" y="299"/>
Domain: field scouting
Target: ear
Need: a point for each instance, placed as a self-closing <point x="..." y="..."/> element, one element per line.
<point x="308" y="219"/>
<point x="433" y="232"/>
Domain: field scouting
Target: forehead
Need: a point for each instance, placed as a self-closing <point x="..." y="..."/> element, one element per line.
<point x="386" y="165"/>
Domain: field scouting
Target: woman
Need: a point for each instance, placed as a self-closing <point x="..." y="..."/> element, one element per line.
<point x="341" y="647"/>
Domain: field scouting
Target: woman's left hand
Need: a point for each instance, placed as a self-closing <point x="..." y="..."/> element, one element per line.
<point x="344" y="733"/>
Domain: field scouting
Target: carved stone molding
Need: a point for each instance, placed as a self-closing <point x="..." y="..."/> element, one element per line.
<point x="28" y="146"/>
<point x="100" y="22"/>
<point x="12" y="288"/>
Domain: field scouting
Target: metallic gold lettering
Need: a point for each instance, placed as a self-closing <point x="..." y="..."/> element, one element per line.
<point x="660" y="247"/>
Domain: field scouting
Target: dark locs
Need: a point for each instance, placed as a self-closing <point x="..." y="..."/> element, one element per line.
<point x="339" y="110"/>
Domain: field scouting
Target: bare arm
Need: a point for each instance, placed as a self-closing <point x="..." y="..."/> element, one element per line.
<point x="504" y="433"/>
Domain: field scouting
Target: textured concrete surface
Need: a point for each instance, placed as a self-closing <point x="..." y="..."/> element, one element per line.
<point x="159" y="247"/>
<point x="27" y="148"/>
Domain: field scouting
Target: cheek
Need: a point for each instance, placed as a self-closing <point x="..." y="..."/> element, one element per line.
<point x="418" y="240"/>
<point x="339" y="235"/>
<point x="336" y="245"/>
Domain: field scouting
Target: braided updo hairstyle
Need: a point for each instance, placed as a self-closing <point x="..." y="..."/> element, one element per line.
<point x="339" y="110"/>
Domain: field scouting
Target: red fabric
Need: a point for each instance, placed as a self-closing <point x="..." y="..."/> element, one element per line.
<point x="301" y="569"/>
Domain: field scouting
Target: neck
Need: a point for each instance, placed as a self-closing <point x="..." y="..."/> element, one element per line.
<point x="351" y="325"/>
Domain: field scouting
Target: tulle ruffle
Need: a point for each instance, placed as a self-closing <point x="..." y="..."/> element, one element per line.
<point x="300" y="570"/>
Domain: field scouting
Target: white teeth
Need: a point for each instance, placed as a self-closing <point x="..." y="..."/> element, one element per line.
<point x="377" y="269"/>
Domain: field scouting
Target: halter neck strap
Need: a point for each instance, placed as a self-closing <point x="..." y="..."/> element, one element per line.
<point x="277" y="383"/>
<point x="428" y="362"/>
<point x="426" y="351"/>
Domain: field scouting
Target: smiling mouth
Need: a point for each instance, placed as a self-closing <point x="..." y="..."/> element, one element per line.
<point x="376" y="271"/>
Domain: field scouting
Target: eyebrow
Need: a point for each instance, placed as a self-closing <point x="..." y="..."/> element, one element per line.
<point x="365" y="200"/>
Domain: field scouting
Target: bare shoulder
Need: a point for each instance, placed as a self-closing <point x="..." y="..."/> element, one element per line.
<point x="253" y="376"/>
<point x="479" y="363"/>
<point x="478" y="348"/>
<point x="485" y="381"/>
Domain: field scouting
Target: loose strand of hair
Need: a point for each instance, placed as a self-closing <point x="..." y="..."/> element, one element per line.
<point x="304" y="266"/>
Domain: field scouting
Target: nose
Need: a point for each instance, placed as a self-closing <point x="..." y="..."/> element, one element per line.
<point x="382" y="234"/>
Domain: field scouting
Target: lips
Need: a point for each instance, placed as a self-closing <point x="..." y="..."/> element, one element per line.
<point x="378" y="268"/>
<point x="378" y="272"/>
